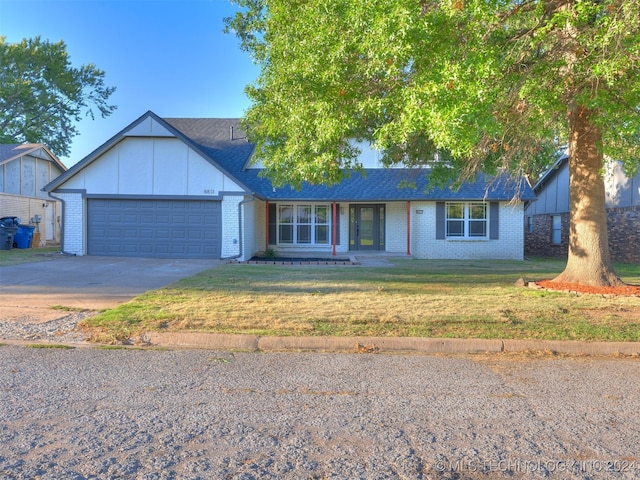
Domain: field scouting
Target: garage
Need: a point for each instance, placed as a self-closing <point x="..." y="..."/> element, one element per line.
<point x="156" y="228"/>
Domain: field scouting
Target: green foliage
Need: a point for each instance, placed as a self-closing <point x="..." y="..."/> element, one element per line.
<point x="42" y="95"/>
<point x="462" y="85"/>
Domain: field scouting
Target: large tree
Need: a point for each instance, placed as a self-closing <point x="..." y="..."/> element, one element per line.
<point x="42" y="95"/>
<point x="458" y="85"/>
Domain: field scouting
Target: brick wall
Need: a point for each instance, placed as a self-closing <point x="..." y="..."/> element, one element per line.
<point x="424" y="244"/>
<point x="26" y="208"/>
<point x="74" y="219"/>
<point x="537" y="243"/>
<point x="230" y="226"/>
<point x="396" y="227"/>
<point x="624" y="235"/>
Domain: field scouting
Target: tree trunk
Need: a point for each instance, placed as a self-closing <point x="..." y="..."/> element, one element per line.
<point x="589" y="261"/>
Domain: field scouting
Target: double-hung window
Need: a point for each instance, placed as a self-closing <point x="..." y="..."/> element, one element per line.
<point x="303" y="224"/>
<point x="466" y="220"/>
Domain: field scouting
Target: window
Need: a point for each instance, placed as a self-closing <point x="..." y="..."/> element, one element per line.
<point x="556" y="229"/>
<point x="303" y="224"/>
<point x="530" y="224"/>
<point x="466" y="220"/>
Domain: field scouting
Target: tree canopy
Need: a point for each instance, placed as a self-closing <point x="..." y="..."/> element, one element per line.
<point x="42" y="95"/>
<point x="488" y="81"/>
<point x="487" y="85"/>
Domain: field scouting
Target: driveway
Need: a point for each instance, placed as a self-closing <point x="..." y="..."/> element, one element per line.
<point x="93" y="283"/>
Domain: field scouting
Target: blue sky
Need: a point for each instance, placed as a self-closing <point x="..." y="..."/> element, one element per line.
<point x="167" y="56"/>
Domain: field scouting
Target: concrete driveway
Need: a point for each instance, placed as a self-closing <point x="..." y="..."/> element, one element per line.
<point x="93" y="283"/>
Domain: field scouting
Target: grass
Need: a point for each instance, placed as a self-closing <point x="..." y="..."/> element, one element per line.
<point x="16" y="256"/>
<point x="461" y="299"/>
<point x="57" y="346"/>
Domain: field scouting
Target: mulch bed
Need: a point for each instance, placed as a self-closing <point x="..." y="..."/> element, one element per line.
<point x="623" y="290"/>
<point x="300" y="261"/>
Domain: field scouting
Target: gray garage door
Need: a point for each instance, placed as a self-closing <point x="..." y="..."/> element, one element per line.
<point x="154" y="228"/>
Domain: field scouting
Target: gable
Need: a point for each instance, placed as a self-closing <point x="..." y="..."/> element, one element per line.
<point x="26" y="168"/>
<point x="148" y="127"/>
<point x="149" y="165"/>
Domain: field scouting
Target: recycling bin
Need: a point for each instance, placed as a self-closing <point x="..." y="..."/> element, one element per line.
<point x="23" y="236"/>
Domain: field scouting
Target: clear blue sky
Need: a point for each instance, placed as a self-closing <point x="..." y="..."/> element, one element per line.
<point x="167" y="56"/>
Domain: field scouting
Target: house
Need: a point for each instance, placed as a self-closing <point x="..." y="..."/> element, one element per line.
<point x="24" y="170"/>
<point x="547" y="219"/>
<point x="167" y="187"/>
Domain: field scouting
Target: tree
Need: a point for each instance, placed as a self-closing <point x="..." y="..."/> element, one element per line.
<point x="487" y="85"/>
<point x="42" y="95"/>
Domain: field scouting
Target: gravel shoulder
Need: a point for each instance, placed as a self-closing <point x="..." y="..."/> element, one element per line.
<point x="88" y="413"/>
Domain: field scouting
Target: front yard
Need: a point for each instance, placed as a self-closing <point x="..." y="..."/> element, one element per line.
<point x="461" y="299"/>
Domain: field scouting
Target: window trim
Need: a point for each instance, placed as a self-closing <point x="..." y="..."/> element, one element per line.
<point x="466" y="220"/>
<point x="310" y="224"/>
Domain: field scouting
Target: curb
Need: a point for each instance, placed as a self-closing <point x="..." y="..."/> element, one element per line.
<point x="385" y="344"/>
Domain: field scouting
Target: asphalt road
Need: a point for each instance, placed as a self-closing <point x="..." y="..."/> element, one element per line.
<point x="152" y="414"/>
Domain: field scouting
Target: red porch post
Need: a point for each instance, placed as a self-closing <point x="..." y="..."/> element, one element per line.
<point x="408" y="227"/>
<point x="334" y="228"/>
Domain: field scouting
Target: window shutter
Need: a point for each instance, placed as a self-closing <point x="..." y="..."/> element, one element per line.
<point x="440" y="235"/>
<point x="494" y="220"/>
<point x="273" y="224"/>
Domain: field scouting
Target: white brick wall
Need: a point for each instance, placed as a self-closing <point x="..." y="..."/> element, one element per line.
<point x="73" y="223"/>
<point x="396" y="227"/>
<point x="230" y="226"/>
<point x="509" y="246"/>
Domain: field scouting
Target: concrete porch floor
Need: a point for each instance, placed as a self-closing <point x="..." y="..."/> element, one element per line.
<point x="362" y="258"/>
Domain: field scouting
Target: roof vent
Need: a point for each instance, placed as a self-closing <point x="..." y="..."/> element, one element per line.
<point x="231" y="132"/>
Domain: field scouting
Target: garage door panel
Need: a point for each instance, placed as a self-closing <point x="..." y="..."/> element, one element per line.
<point x="154" y="228"/>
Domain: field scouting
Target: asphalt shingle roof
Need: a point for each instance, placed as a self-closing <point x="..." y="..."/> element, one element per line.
<point x="12" y="150"/>
<point x="212" y="136"/>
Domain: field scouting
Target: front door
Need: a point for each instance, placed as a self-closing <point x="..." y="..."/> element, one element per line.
<point x="366" y="227"/>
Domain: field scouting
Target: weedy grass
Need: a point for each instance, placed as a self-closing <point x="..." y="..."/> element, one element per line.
<point x="456" y="299"/>
<point x="58" y="346"/>
<point x="16" y="256"/>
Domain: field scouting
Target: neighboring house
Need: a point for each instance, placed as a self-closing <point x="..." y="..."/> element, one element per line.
<point x="547" y="219"/>
<point x="186" y="188"/>
<point x="24" y="170"/>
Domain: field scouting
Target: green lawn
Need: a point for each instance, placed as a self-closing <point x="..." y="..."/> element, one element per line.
<point x="414" y="298"/>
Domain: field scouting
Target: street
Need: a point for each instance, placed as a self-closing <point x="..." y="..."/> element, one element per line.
<point x="98" y="413"/>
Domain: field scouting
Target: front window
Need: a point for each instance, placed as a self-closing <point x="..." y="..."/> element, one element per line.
<point x="466" y="220"/>
<point x="303" y="224"/>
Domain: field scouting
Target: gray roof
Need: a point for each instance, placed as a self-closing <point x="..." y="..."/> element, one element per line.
<point x="212" y="136"/>
<point x="223" y="143"/>
<point x="11" y="151"/>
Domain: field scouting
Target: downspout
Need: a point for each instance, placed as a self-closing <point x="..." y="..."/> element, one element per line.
<point x="63" y="203"/>
<point x="408" y="227"/>
<point x="240" y="205"/>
